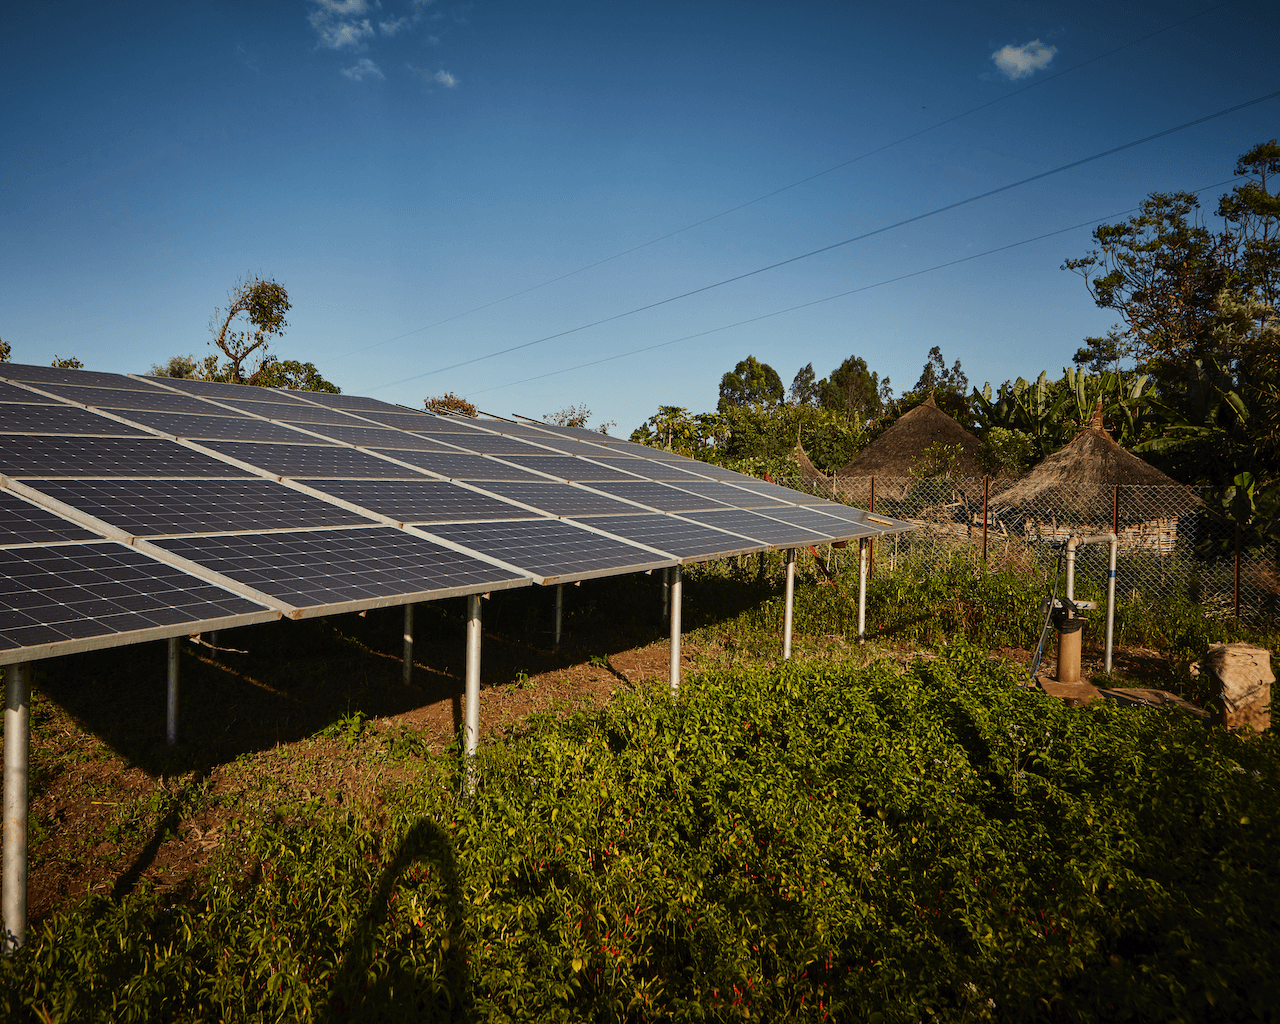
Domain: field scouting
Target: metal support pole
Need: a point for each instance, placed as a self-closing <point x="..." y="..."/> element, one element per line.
<point x="986" y="493"/>
<point x="788" y="608"/>
<point x="677" y="588"/>
<point x="559" y="613"/>
<point x="1071" y="568"/>
<point x="213" y="646"/>
<point x="863" y="559"/>
<point x="471" y="711"/>
<point x="407" y="668"/>
<point x="871" y="550"/>
<point x="171" y="716"/>
<point x="17" y="724"/>
<point x="1111" y="602"/>
<point x="666" y="593"/>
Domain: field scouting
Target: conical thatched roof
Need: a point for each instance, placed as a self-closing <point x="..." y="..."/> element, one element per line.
<point x="808" y="471"/>
<point x="1082" y="477"/>
<point x="894" y="453"/>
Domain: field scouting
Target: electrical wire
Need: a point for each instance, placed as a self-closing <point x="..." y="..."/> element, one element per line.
<point x="837" y="245"/>
<point x="1048" y="618"/>
<point x="784" y="188"/>
<point x="826" y="298"/>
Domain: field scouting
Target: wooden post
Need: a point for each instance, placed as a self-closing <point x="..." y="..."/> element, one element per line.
<point x="871" y="549"/>
<point x="986" y="493"/>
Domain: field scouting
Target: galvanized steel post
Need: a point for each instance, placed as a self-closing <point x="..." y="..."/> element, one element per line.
<point x="666" y="593"/>
<point x="171" y="711"/>
<point x="559" y="612"/>
<point x="862" y="589"/>
<point x="471" y="710"/>
<point x="407" y="676"/>
<point x="787" y="612"/>
<point x="677" y="588"/>
<point x="17" y="723"/>
<point x="1111" y="601"/>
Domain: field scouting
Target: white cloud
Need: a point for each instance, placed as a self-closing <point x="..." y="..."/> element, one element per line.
<point x="445" y="79"/>
<point x="362" y="69"/>
<point x="336" y="23"/>
<point x="390" y="28"/>
<point x="1023" y="61"/>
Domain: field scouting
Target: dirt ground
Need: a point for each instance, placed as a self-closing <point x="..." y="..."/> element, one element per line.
<point x="113" y="806"/>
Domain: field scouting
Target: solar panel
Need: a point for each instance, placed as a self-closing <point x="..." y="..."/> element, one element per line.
<point x="24" y="523"/>
<point x="58" y="419"/>
<point x="489" y="444"/>
<point x="53" y="375"/>
<point x="735" y="496"/>
<point x="50" y="595"/>
<point x="650" y="470"/>
<point x="642" y="451"/>
<point x="405" y="419"/>
<point x="419" y="501"/>
<point x="568" y="446"/>
<point x="812" y="519"/>
<point x="226" y="392"/>
<point x="334" y="567"/>
<point x="874" y="520"/>
<point x="294" y="412"/>
<point x="781" y="493"/>
<point x="372" y="437"/>
<point x="297" y="460"/>
<point x="104" y="456"/>
<point x="458" y="465"/>
<point x="551" y="548"/>
<point x="568" y="467"/>
<point x="658" y="495"/>
<point x="706" y="469"/>
<point x="155" y="507"/>
<point x="557" y="499"/>
<point x="226" y="428"/>
<point x="13" y="393"/>
<point x="353" y="402"/>
<point x="683" y="539"/>
<point x="759" y="527"/>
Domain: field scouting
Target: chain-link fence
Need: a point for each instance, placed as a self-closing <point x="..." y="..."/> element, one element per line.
<point x="1170" y="544"/>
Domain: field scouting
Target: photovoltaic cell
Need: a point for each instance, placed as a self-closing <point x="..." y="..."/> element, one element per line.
<point x="758" y="527"/>
<point x="79" y="591"/>
<point x="352" y="402"/>
<point x="658" y="495"/>
<point x="872" y="520"/>
<point x="226" y="428"/>
<point x="105" y="456"/>
<point x="372" y="437"/>
<point x="781" y="493"/>
<point x="667" y="533"/>
<point x="568" y="467"/>
<point x="735" y="496"/>
<point x="294" y="412"/>
<point x="24" y="523"/>
<point x="549" y="548"/>
<point x="568" y="446"/>
<point x="58" y="419"/>
<point x="458" y="465"/>
<point x="13" y="393"/>
<point x="812" y="519"/>
<point x="490" y="444"/>
<point x="152" y="507"/>
<point x="419" y="501"/>
<point x="152" y="399"/>
<point x="339" y="566"/>
<point x="225" y="392"/>
<point x="53" y="375"/>
<point x="705" y="469"/>
<point x="297" y="460"/>
<point x="650" y="470"/>
<point x="557" y="499"/>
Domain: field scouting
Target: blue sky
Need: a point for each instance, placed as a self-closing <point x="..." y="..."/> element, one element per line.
<point x="398" y="164"/>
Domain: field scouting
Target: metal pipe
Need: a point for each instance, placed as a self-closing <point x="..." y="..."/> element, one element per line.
<point x="171" y="716"/>
<point x="407" y="676"/>
<point x="1111" y="602"/>
<point x="871" y="549"/>
<point x="559" y="613"/>
<point x="1071" y="567"/>
<point x="17" y="725"/>
<point x="471" y="710"/>
<point x="862" y="589"/>
<point x="986" y="492"/>
<point x="788" y="608"/>
<point x="677" y="589"/>
<point x="666" y="593"/>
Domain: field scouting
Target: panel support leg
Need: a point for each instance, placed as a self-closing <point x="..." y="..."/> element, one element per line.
<point x="788" y="608"/>
<point x="17" y="724"/>
<point x="471" y="711"/>
<point x="677" y="589"/>
<point x="171" y="710"/>
<point x="862" y="590"/>
<point x="559" y="613"/>
<point x="666" y="593"/>
<point x="407" y="677"/>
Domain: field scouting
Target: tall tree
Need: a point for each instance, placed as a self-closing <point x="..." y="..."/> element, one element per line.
<point x="804" y="387"/>
<point x="258" y="306"/>
<point x="450" y="404"/>
<point x="751" y="382"/>
<point x="854" y="391"/>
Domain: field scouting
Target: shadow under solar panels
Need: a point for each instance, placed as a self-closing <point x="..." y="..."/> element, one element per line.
<point x="557" y="499"/>
<point x="214" y="428"/>
<point x="96" y="591"/>
<point x="458" y="465"/>
<point x="24" y="523"/>
<point x="761" y="528"/>
<point x="419" y="501"/>
<point x="347" y="568"/>
<point x="551" y="549"/>
<point x="569" y="467"/>
<point x="657" y="495"/>
<point x="59" y="419"/>
<point x="318" y="459"/>
<point x="105" y="456"/>
<point x="687" y="541"/>
<point x="152" y="507"/>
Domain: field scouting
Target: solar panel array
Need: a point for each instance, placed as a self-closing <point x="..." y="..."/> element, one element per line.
<point x="135" y="508"/>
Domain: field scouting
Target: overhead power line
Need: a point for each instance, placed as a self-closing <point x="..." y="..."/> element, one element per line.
<point x="844" y="242"/>
<point x="784" y="188"/>
<point x="825" y="298"/>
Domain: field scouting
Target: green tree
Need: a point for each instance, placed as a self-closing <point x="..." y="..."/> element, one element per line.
<point x="291" y="375"/>
<point x="804" y="387"/>
<point x="751" y="382"/>
<point x="67" y="363"/>
<point x="254" y="314"/>
<point x="854" y="391"/>
<point x="1099" y="355"/>
<point x="450" y="404"/>
<point x="6" y="351"/>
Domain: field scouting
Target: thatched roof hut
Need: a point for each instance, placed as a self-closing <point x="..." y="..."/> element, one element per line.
<point x="810" y="473"/>
<point x="897" y="451"/>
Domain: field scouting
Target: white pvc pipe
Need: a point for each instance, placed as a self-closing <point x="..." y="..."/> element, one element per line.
<point x="471" y="711"/>
<point x="1071" y="568"/>
<point x="17" y="725"/>
<point x="862" y="589"/>
<point x="677" y="593"/>
<point x="171" y="710"/>
<point x="788" y="608"/>
<point x="407" y="677"/>
<point x="559" y="611"/>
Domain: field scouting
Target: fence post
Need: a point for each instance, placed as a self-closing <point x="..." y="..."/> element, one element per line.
<point x="986" y="492"/>
<point x="1237" y="574"/>
<point x="871" y="548"/>
<point x="1115" y="512"/>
